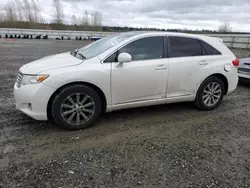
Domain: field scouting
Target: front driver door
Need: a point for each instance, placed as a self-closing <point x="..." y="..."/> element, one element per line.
<point x="145" y="77"/>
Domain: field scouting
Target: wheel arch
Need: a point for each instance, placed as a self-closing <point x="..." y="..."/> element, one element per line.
<point x="222" y="77"/>
<point x="94" y="87"/>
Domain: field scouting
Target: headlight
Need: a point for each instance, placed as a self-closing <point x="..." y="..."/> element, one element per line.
<point x="33" y="79"/>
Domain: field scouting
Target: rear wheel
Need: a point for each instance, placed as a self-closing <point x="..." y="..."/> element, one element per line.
<point x="76" y="107"/>
<point x="210" y="93"/>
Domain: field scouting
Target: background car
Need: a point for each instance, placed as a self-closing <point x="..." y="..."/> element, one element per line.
<point x="244" y="70"/>
<point x="95" y="38"/>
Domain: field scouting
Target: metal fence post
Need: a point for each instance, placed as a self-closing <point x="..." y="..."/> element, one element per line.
<point x="248" y="42"/>
<point x="233" y="42"/>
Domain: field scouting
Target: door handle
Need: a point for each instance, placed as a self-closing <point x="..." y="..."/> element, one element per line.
<point x="161" y="67"/>
<point x="203" y="62"/>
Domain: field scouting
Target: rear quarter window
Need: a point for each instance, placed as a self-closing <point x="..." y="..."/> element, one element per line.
<point x="209" y="50"/>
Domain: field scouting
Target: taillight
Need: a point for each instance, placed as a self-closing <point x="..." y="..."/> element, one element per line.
<point x="236" y="62"/>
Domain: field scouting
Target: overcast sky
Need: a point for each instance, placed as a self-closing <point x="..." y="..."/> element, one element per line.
<point x="191" y="14"/>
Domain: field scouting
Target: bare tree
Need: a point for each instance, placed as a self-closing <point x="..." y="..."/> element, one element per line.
<point x="19" y="6"/>
<point x="36" y="10"/>
<point x="10" y="10"/>
<point x="225" y="28"/>
<point x="2" y="17"/>
<point x="96" y="19"/>
<point x="22" y="10"/>
<point x="85" y="18"/>
<point x="59" y="12"/>
<point x="73" y="20"/>
<point x="28" y="11"/>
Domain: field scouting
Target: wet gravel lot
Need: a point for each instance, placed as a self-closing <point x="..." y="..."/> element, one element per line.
<point x="162" y="146"/>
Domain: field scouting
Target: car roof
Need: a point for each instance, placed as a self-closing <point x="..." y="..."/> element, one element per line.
<point x="157" y="33"/>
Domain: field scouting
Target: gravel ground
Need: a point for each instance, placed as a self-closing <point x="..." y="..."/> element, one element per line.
<point x="162" y="146"/>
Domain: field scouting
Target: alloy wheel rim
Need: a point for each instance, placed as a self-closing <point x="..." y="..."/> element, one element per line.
<point x="77" y="108"/>
<point x="212" y="94"/>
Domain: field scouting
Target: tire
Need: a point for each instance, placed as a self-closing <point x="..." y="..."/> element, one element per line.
<point x="201" y="101"/>
<point x="66" y="114"/>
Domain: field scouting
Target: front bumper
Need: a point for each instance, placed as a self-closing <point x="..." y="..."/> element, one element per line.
<point x="33" y="100"/>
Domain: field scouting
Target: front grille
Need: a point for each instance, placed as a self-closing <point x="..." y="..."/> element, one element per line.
<point x="19" y="79"/>
<point x="243" y="69"/>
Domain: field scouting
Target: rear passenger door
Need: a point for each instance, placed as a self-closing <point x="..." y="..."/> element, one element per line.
<point x="187" y="64"/>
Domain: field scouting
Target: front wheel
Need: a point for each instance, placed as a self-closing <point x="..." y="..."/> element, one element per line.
<point x="210" y="93"/>
<point x="76" y="107"/>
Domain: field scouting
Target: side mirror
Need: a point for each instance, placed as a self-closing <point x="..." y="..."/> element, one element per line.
<point x="124" y="58"/>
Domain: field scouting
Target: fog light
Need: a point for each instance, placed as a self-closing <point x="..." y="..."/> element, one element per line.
<point x="30" y="106"/>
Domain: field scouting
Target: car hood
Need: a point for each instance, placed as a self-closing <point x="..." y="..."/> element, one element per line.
<point x="50" y="62"/>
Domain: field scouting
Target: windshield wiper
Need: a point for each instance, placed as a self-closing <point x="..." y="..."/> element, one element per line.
<point x="76" y="52"/>
<point x="83" y="57"/>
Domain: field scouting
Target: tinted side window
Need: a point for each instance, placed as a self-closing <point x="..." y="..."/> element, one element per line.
<point x="184" y="47"/>
<point x="144" y="49"/>
<point x="209" y="49"/>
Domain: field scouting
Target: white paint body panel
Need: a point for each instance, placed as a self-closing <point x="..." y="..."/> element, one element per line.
<point x="139" y="81"/>
<point x="127" y="85"/>
<point x="50" y="62"/>
<point x="36" y="94"/>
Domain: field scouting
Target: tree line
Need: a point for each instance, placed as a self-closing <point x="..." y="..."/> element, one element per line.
<point x="26" y="14"/>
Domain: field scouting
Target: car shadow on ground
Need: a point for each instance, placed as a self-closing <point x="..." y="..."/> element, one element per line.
<point x="113" y="119"/>
<point x="165" y="109"/>
<point x="244" y="82"/>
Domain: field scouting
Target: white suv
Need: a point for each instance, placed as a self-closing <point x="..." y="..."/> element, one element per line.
<point x="126" y="70"/>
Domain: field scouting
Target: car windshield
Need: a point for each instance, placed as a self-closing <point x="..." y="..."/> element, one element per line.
<point x="100" y="46"/>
